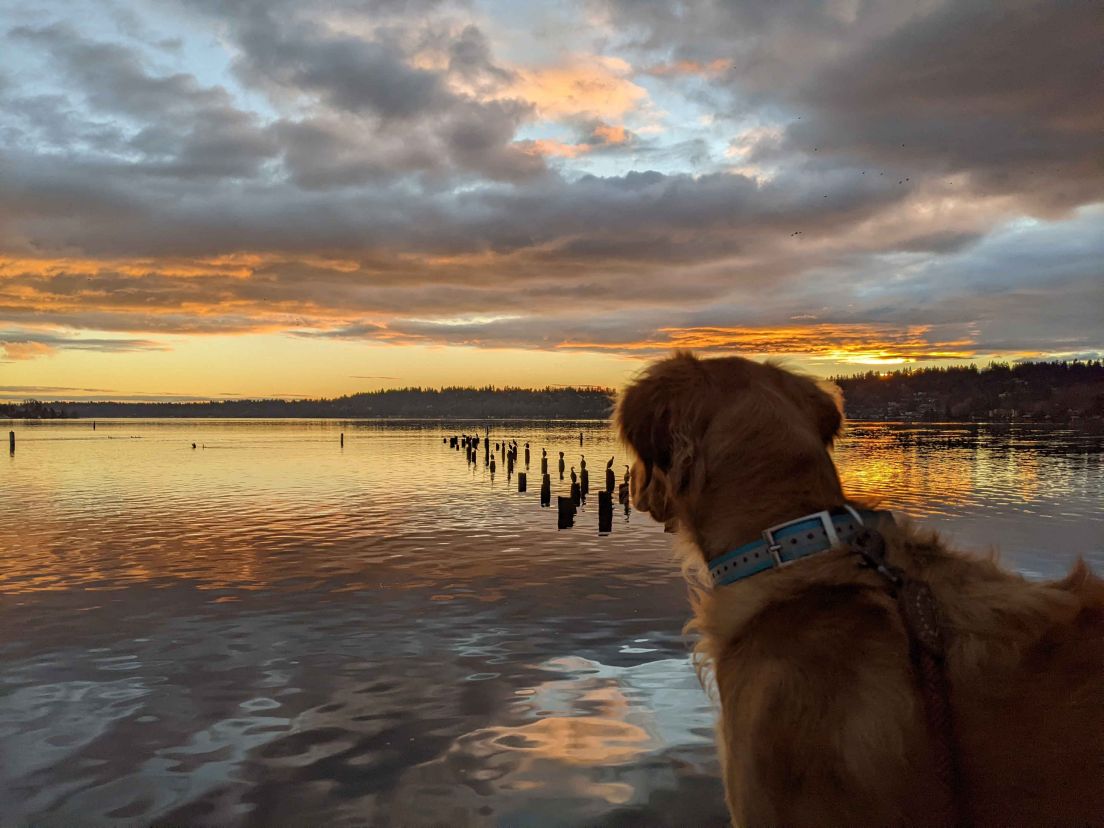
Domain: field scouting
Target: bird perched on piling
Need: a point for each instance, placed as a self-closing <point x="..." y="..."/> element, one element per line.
<point x="561" y="465"/>
<point x="526" y="455"/>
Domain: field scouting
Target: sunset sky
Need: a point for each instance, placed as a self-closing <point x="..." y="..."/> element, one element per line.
<point x="264" y="197"/>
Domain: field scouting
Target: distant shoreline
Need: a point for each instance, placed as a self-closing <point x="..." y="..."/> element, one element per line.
<point x="1058" y="392"/>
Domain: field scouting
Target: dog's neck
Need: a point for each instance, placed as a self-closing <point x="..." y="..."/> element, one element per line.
<point x="724" y="520"/>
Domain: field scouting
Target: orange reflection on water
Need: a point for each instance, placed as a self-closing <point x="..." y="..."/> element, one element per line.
<point x="263" y="503"/>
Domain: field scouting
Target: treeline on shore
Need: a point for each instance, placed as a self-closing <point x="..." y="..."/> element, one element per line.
<point x="1039" y="391"/>
<point x="1035" y="391"/>
<point x="399" y="403"/>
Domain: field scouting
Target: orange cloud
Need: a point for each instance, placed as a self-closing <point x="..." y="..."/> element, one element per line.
<point x="546" y="147"/>
<point x="593" y="86"/>
<point x="681" y="68"/>
<point x="866" y="344"/>
<point x="601" y="135"/>
<point x="610" y="134"/>
<point x="27" y="350"/>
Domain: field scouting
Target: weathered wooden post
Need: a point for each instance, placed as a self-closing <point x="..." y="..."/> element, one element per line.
<point x="544" y="461"/>
<point x="93" y="425"/>
<point x="580" y="438"/>
<point x="605" y="512"/>
<point x="486" y="452"/>
<point x="509" y="464"/>
<point x="521" y="481"/>
<point x="11" y="441"/>
<point x="343" y="439"/>
<point x="546" y="490"/>
<point x="566" y="516"/>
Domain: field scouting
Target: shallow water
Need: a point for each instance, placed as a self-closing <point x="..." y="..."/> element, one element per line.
<point x="272" y="627"/>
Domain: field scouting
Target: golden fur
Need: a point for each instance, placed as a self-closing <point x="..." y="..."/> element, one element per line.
<point x="821" y="718"/>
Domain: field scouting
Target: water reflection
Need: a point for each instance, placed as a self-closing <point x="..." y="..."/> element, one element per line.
<point x="274" y="626"/>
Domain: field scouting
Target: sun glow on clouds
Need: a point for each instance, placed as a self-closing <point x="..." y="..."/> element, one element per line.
<point x="591" y="86"/>
<point x="870" y="344"/>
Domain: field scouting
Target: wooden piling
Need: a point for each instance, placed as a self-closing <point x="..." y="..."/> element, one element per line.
<point x="343" y="439"/>
<point x="566" y="513"/>
<point x="611" y="480"/>
<point x="11" y="441"/>
<point x="623" y="494"/>
<point x="546" y="490"/>
<point x="605" y="512"/>
<point x="584" y="487"/>
<point x="544" y="465"/>
<point x="576" y="498"/>
<point x="521" y="481"/>
<point x="93" y="425"/>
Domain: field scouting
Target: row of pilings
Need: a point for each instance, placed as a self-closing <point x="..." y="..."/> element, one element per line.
<point x="515" y="457"/>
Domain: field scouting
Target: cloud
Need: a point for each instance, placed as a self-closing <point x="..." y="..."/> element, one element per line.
<point x="183" y="129"/>
<point x="582" y="86"/>
<point x="8" y="390"/>
<point x="968" y="89"/>
<point x="22" y="345"/>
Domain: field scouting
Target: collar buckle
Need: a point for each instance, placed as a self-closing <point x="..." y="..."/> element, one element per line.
<point x="775" y="548"/>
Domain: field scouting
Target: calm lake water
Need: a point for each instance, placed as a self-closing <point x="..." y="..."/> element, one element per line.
<point x="273" y="629"/>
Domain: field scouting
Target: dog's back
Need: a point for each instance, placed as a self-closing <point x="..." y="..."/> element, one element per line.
<point x="1032" y="730"/>
<point x="823" y="721"/>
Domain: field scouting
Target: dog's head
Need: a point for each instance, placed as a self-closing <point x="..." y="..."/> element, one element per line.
<point x="694" y="423"/>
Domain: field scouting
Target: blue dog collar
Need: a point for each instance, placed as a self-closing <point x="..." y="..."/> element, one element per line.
<point x="790" y="541"/>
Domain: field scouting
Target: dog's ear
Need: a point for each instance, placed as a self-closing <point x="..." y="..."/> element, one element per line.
<point x="651" y="492"/>
<point x="657" y="416"/>
<point x="821" y="400"/>
<point x="827" y="404"/>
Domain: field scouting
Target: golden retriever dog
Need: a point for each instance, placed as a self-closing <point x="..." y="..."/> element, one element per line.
<point x="822" y="711"/>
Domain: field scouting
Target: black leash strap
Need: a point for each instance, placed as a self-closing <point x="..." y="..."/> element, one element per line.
<point x="927" y="650"/>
